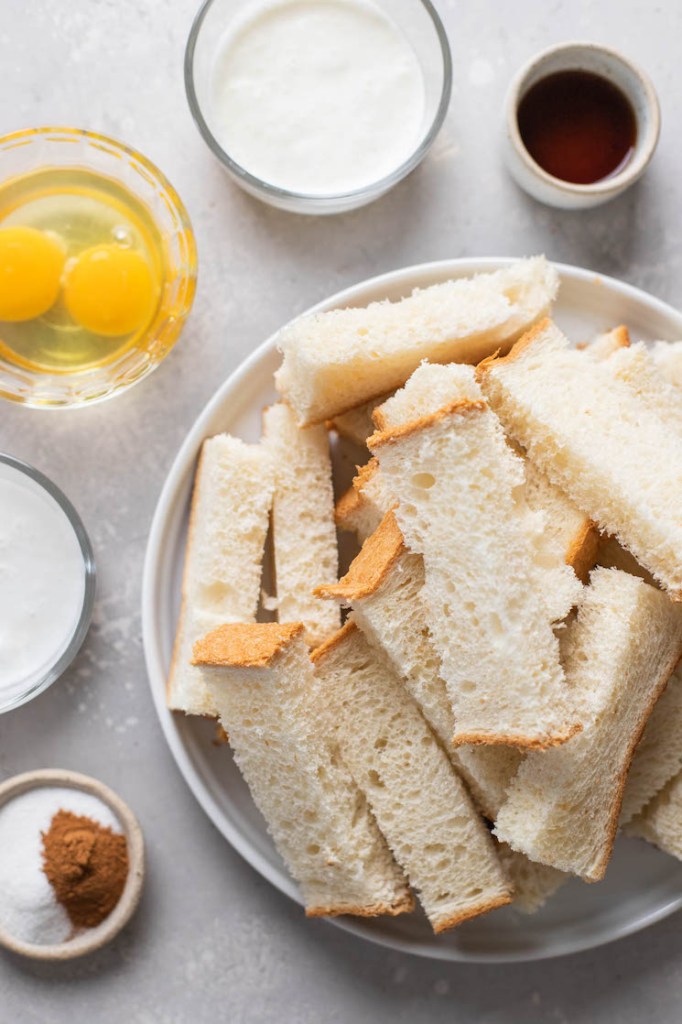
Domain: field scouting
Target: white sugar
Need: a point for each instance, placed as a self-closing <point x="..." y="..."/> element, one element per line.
<point x="29" y="910"/>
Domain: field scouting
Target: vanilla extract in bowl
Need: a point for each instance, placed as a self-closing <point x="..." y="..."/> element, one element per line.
<point x="578" y="126"/>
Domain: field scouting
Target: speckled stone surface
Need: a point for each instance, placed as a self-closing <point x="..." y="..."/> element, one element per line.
<point x="213" y="941"/>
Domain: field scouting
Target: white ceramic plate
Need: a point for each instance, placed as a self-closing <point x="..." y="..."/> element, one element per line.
<point x="642" y="885"/>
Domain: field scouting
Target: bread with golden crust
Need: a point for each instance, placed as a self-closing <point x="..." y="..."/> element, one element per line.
<point x="660" y="823"/>
<point x="262" y="683"/>
<point x="383" y="587"/>
<point x="357" y="424"/>
<point x="228" y="523"/>
<point x="658" y="756"/>
<point x="564" y="804"/>
<point x="533" y="883"/>
<point x="303" y="531"/>
<point x="603" y="345"/>
<point x="667" y="355"/>
<point x="337" y="360"/>
<point x="608" y="433"/>
<point x="361" y="508"/>
<point x="567" y="535"/>
<point x="490" y="595"/>
<point x="419" y="802"/>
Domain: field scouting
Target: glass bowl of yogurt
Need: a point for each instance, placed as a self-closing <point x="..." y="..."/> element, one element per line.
<point x="47" y="582"/>
<point x="318" y="106"/>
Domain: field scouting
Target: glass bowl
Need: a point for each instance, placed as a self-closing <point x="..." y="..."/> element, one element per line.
<point x="419" y="23"/>
<point x="34" y="149"/>
<point x="39" y="680"/>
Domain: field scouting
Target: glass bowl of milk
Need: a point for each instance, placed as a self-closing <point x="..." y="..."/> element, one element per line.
<point x="47" y="582"/>
<point x="318" y="106"/>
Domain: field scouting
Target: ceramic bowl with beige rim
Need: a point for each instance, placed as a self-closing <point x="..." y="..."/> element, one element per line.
<point x="90" y="939"/>
<point x="620" y="72"/>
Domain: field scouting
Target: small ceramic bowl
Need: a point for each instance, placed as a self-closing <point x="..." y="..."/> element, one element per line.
<point x="92" y="938"/>
<point x="627" y="77"/>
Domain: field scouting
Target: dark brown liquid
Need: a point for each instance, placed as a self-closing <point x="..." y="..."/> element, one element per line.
<point x="577" y="126"/>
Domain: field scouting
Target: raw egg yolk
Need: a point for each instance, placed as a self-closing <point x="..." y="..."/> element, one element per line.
<point x="109" y="290"/>
<point x="31" y="264"/>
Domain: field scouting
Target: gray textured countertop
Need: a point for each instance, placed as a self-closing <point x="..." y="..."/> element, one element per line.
<point x="213" y="941"/>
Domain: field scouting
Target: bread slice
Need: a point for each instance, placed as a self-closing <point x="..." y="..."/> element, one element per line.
<point x="660" y="822"/>
<point x="563" y="806"/>
<point x="431" y="387"/>
<point x="568" y="535"/>
<point x="262" y="682"/>
<point x="533" y="883"/>
<point x="338" y="360"/>
<point x="362" y="507"/>
<point x="667" y="356"/>
<point x="611" y="554"/>
<point x="383" y="587"/>
<point x="303" y="530"/>
<point x="357" y="424"/>
<point x="419" y="802"/>
<point x="601" y="441"/>
<point x="223" y="559"/>
<point x="604" y="345"/>
<point x="658" y="756"/>
<point x="635" y="367"/>
<point x="490" y="596"/>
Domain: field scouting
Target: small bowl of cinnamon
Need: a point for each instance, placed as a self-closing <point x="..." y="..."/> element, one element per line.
<point x="71" y="864"/>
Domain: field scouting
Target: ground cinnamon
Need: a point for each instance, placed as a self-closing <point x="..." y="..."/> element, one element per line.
<point x="86" y="864"/>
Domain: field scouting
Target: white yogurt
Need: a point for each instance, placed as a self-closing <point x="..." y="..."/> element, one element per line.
<point x="317" y="96"/>
<point x="42" y="582"/>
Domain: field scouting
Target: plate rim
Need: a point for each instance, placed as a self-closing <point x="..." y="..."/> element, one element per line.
<point x="175" y="480"/>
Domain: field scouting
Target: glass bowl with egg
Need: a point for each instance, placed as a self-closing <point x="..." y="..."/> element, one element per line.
<point x="318" y="106"/>
<point x="97" y="267"/>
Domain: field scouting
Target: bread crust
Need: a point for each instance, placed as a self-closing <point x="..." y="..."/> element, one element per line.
<point x="370" y="567"/>
<point x="522" y="742"/>
<point x="404" y="905"/>
<point x="459" y="407"/>
<point x="333" y="642"/>
<point x="347" y="505"/>
<point x="620" y="336"/>
<point x="445" y="924"/>
<point x="352" y="500"/>
<point x="597" y="873"/>
<point x="583" y="552"/>
<point x="191" y="529"/>
<point x="365" y="473"/>
<point x="245" y="644"/>
<point x="379" y="418"/>
<point x="517" y="349"/>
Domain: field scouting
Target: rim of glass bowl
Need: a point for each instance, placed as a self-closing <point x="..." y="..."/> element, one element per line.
<point x="55" y="671"/>
<point x="381" y="185"/>
<point x="95" y="387"/>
